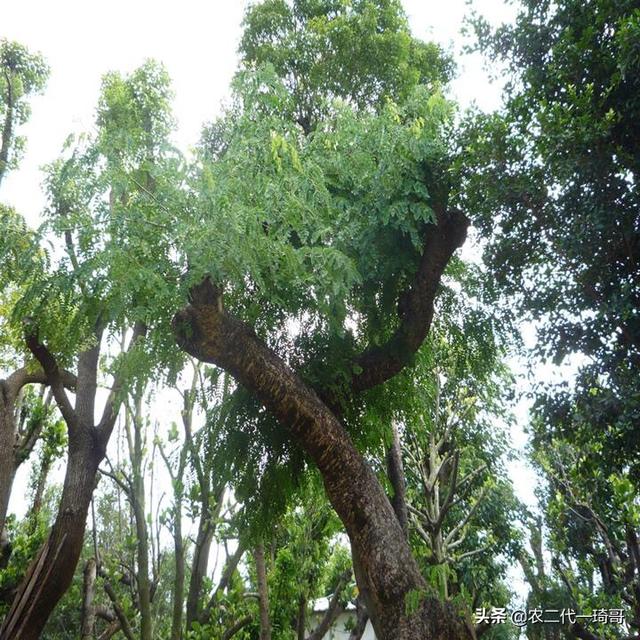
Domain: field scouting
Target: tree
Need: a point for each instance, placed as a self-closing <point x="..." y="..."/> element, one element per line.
<point x="22" y="75"/>
<point x="22" y="416"/>
<point x="348" y="230"/>
<point x="553" y="181"/>
<point x="359" y="51"/>
<point x="562" y="222"/>
<point x="92" y="194"/>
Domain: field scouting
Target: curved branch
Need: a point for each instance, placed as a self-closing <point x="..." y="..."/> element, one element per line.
<point x="54" y="376"/>
<point x="379" y="364"/>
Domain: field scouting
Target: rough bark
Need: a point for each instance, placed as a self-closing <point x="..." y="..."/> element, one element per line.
<point x="388" y="572"/>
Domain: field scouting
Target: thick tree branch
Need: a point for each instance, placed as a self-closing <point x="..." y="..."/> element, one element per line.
<point x="379" y="364"/>
<point x="54" y="376"/>
<point x="24" y="376"/>
<point x="206" y="331"/>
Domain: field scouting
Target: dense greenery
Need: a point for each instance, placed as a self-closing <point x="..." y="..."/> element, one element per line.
<point x="312" y="236"/>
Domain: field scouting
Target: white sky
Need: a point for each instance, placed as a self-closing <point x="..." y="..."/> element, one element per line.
<point x="197" y="41"/>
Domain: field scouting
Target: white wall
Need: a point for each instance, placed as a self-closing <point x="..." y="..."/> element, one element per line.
<point x="342" y="627"/>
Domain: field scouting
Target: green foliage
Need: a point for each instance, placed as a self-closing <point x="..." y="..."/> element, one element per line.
<point x="553" y="179"/>
<point x="22" y="75"/>
<point x="362" y="52"/>
<point x="111" y="202"/>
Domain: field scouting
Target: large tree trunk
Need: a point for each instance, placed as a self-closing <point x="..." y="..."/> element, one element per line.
<point x="15" y="444"/>
<point x="51" y="572"/>
<point x="398" y="602"/>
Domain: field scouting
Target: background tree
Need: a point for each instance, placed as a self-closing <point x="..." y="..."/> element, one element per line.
<point x="93" y="193"/>
<point x="22" y="75"/>
<point x="553" y="181"/>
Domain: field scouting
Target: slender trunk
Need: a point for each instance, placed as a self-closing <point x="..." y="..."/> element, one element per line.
<point x="333" y="611"/>
<point x="7" y="451"/>
<point x="227" y="573"/>
<point x="142" y="577"/>
<point x="199" y="567"/>
<point x="51" y="571"/>
<point x="88" y="607"/>
<point x="139" y="515"/>
<point x="263" y="593"/>
<point x="7" y="128"/>
<point x="200" y="563"/>
<point x="395" y="471"/>
<point x="41" y="483"/>
<point x="178" y="588"/>
<point x="301" y="621"/>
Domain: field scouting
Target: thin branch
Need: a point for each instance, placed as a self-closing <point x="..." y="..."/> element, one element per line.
<point x="111" y="406"/>
<point x="237" y="626"/>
